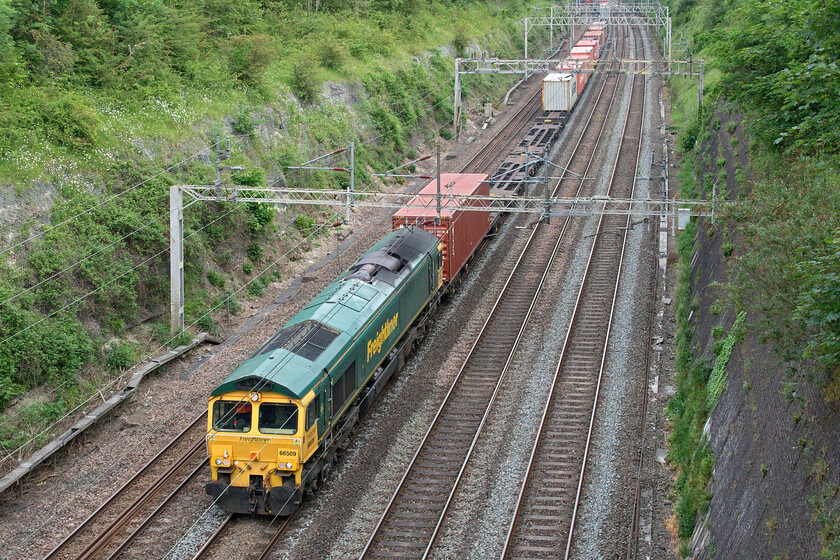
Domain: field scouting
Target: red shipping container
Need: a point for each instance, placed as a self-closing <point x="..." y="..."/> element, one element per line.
<point x="596" y="32"/>
<point x="574" y="64"/>
<point x="459" y="231"/>
<point x="598" y="29"/>
<point x="590" y="43"/>
<point x="582" y="57"/>
<point x="589" y="52"/>
<point x="592" y="35"/>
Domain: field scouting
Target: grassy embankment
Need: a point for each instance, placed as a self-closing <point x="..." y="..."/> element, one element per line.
<point x="98" y="97"/>
<point x="775" y="63"/>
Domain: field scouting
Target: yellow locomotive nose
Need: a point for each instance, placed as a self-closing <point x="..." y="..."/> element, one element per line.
<point x="255" y="451"/>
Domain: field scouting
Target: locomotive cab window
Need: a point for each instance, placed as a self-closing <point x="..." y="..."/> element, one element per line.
<point x="231" y="416"/>
<point x="277" y="418"/>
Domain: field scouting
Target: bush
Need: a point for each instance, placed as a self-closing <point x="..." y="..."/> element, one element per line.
<point x="181" y="339"/>
<point x="257" y="286"/>
<point x="249" y="56"/>
<point x="216" y="278"/>
<point x="818" y="304"/>
<point x="304" y="81"/>
<point x="243" y="123"/>
<point x="333" y="55"/>
<point x="120" y="356"/>
<point x="445" y="133"/>
<point x="255" y="251"/>
<point x="247" y="268"/>
<point x="232" y="304"/>
<point x="70" y="122"/>
<point x="460" y="41"/>
<point x="205" y="322"/>
<point x="305" y="224"/>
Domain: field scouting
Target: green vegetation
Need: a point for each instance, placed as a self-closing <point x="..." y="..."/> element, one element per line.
<point x="789" y="250"/>
<point x="79" y="80"/>
<point x="717" y="380"/>
<point x="779" y="60"/>
<point x="775" y="62"/>
<point x="689" y="408"/>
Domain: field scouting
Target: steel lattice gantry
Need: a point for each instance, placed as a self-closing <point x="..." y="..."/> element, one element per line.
<point x="648" y="14"/>
<point x="552" y="206"/>
<point x="542" y="206"/>
<point x="528" y="66"/>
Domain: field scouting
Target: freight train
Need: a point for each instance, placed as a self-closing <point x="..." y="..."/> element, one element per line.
<point x="276" y="423"/>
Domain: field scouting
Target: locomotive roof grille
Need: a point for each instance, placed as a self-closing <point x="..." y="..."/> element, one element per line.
<point x="308" y="340"/>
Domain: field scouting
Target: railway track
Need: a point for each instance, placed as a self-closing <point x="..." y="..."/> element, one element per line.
<point x="482" y="161"/>
<point x="265" y="540"/>
<point x="413" y="517"/>
<point x="547" y="507"/>
<point x="90" y="540"/>
<point x="148" y="489"/>
<point x="636" y="465"/>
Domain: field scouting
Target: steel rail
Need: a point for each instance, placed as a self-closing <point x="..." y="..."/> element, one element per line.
<point x="633" y="541"/>
<point x="601" y="370"/>
<point x="551" y="259"/>
<point x="94" y="547"/>
<point x="225" y="526"/>
<point x="120" y="491"/>
<point x="482" y="160"/>
<point x="280" y="532"/>
<point x="458" y="377"/>
<point x="564" y="353"/>
<point x="213" y="538"/>
<point x="609" y="328"/>
<point x="566" y="174"/>
<point x="127" y="542"/>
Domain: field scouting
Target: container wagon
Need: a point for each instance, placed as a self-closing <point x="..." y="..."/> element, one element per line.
<point x="459" y="231"/>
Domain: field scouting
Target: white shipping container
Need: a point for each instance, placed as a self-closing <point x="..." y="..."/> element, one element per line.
<point x="559" y="92"/>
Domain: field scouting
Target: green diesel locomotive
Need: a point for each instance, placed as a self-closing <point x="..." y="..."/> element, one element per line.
<point x="275" y="424"/>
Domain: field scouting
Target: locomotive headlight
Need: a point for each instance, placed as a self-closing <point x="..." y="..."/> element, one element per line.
<point x="218" y="462"/>
<point x="288" y="465"/>
<point x="226" y="462"/>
